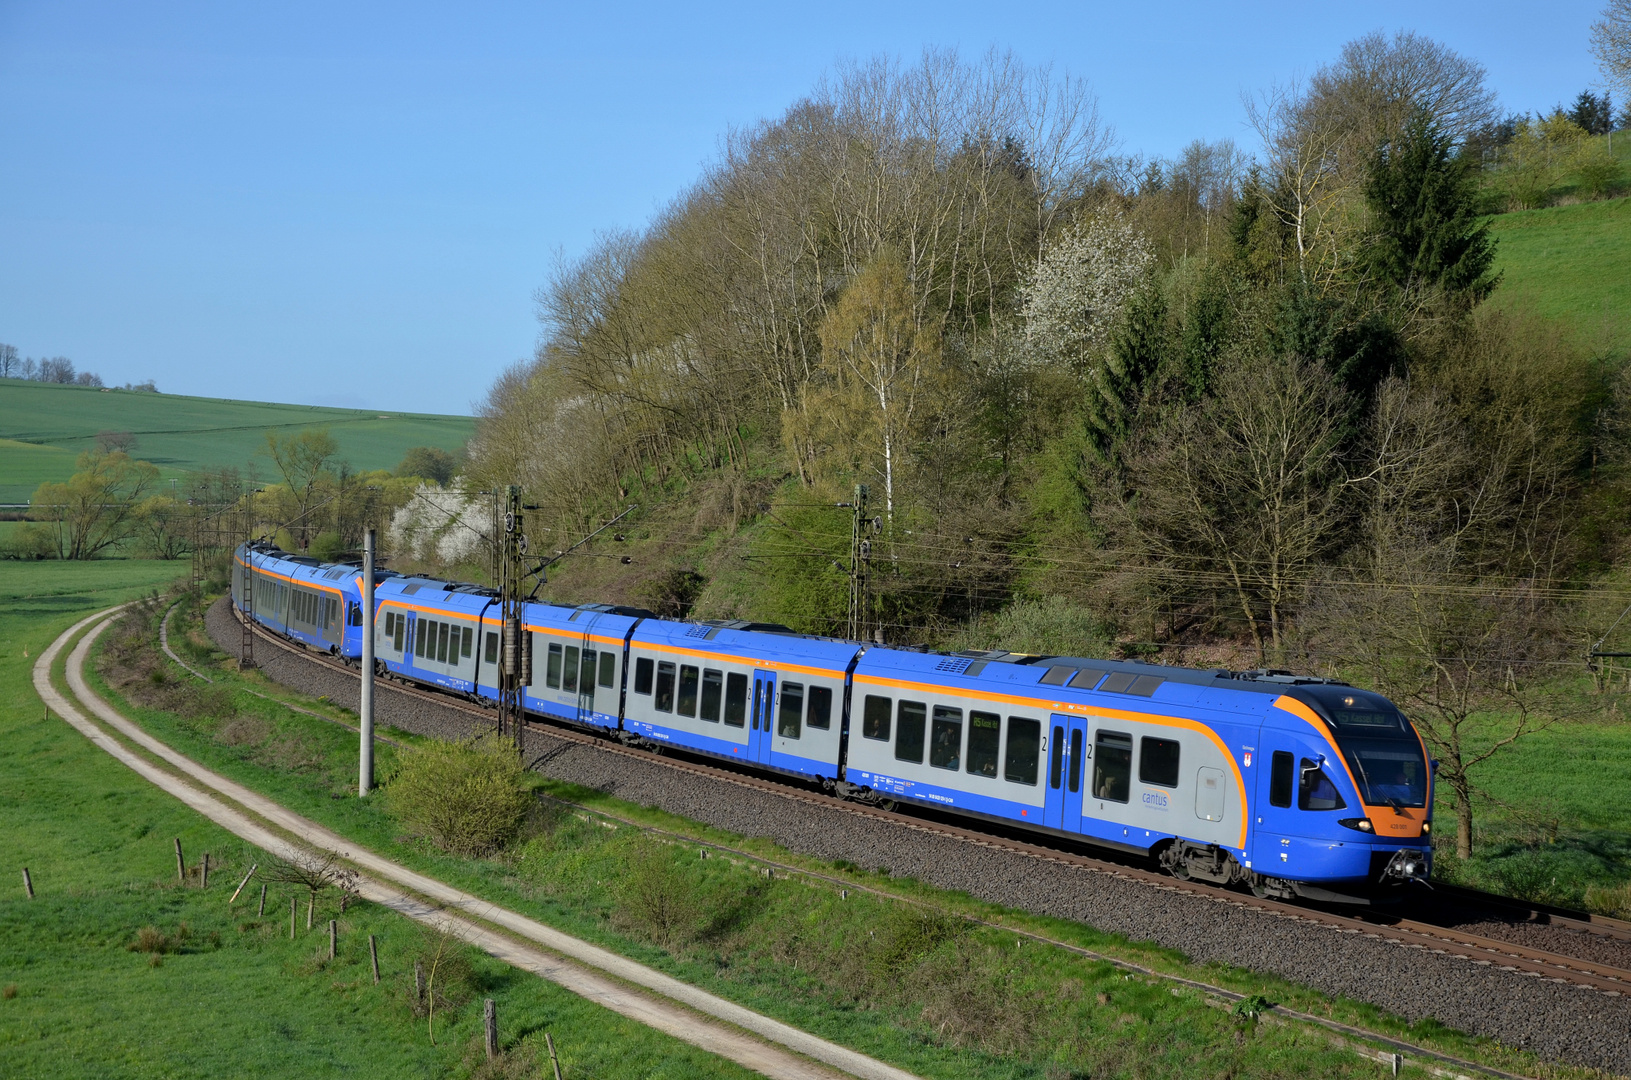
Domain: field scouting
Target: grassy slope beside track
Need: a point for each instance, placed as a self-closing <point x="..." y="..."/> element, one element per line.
<point x="43" y="428"/>
<point x="240" y="998"/>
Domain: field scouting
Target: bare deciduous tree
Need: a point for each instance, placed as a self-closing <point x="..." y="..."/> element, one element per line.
<point x="1250" y="482"/>
<point x="1611" y="43"/>
<point x="303" y="458"/>
<point x="99" y="506"/>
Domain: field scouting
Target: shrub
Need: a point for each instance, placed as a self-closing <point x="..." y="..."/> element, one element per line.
<point x="150" y="939"/>
<point x="659" y="897"/>
<point x="1052" y="626"/>
<point x="468" y="797"/>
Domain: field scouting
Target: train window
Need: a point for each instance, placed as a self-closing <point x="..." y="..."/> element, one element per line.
<point x="490" y="654"/>
<point x="665" y="687"/>
<point x="466" y="635"/>
<point x="713" y="689"/>
<point x="984" y="740"/>
<point x="1056" y="758"/>
<point x="569" y="670"/>
<point x="1024" y="750"/>
<point x="586" y="682"/>
<point x="1315" y="790"/>
<point x="688" y="691"/>
<point x="552" y="672"/>
<point x="762" y="689"/>
<point x="820" y="712"/>
<point x="441" y="643"/>
<point x="1158" y="761"/>
<point x="608" y="669"/>
<point x="1076" y="760"/>
<point x="1112" y="766"/>
<point x="401" y="629"/>
<point x="1280" y="779"/>
<point x="390" y="623"/>
<point x="875" y="718"/>
<point x="419" y="637"/>
<point x="946" y="738"/>
<point x="736" y="699"/>
<point x="910" y="718"/>
<point x="792" y="710"/>
<point x="642" y="675"/>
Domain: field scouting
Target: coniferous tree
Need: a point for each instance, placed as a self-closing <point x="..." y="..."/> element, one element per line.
<point x="1137" y="350"/>
<point x="1425" y="200"/>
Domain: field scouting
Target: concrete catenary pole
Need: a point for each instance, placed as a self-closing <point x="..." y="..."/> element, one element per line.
<point x="365" y="707"/>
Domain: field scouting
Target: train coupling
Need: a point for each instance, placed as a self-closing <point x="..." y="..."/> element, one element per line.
<point x="1407" y="865"/>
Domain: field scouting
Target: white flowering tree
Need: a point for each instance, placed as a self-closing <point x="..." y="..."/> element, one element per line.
<point x="1081" y="287"/>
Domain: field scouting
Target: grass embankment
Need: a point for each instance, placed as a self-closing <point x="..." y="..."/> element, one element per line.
<point x="44" y="427"/>
<point x="231" y="994"/>
<point x="1571" y="264"/>
<point x="1552" y="823"/>
<point x="919" y="986"/>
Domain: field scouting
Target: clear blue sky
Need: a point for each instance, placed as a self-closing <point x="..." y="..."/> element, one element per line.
<point x="350" y="204"/>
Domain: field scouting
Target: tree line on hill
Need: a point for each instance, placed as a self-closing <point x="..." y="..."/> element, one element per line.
<point x="1221" y="406"/>
<point x="114" y="503"/>
<point x="56" y="369"/>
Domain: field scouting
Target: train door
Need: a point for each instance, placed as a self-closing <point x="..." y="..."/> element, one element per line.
<point x="762" y="725"/>
<point x="590" y="660"/>
<point x="1067" y="756"/>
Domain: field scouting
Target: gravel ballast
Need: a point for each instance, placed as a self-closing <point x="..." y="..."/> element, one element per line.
<point x="1558" y="1021"/>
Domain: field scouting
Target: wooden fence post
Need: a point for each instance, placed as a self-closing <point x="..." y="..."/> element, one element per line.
<point x="333" y="938"/>
<point x="554" y="1061"/>
<point x="204" y="871"/>
<point x="489" y="1022"/>
<point x="181" y="864"/>
<point x="242" y="883"/>
<point x="311" y="906"/>
<point x="261" y="911"/>
<point x="373" y="957"/>
<point x="419" y="981"/>
<point x="293" y="903"/>
<point x="28" y="884"/>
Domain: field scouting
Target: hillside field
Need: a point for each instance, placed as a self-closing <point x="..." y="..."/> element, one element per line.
<point x="1572" y="264"/>
<point x="44" y="427"/>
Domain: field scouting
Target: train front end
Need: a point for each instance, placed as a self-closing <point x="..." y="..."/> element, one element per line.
<point x="1348" y="813"/>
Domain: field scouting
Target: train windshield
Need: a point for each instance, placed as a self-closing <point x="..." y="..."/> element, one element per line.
<point x="1384" y="755"/>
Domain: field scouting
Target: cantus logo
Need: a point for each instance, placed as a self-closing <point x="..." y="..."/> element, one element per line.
<point x="1155" y="800"/>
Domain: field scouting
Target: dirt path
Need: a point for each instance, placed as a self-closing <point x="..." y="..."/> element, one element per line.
<point x="721" y="1027"/>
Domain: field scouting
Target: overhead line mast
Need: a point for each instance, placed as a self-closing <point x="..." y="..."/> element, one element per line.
<point x="516" y="662"/>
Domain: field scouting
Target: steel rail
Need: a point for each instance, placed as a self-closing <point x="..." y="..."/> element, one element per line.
<point x="1407" y="933"/>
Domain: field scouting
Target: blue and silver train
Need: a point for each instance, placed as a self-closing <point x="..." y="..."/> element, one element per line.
<point x="1291" y="786"/>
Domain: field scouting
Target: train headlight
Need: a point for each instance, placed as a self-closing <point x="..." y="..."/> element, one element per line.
<point x="1361" y="823"/>
<point x="1426" y="827"/>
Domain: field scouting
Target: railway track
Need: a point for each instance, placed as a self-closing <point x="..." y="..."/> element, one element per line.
<point x="1555" y="966"/>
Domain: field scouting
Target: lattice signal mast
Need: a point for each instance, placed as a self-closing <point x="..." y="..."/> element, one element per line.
<point x="515" y="673"/>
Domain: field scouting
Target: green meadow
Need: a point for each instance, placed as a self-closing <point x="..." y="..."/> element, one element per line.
<point x="44" y="427"/>
<point x="116" y="969"/>
<point x="1571" y="264"/>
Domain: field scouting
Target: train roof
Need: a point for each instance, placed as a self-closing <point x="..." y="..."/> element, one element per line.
<point x="1135" y="677"/>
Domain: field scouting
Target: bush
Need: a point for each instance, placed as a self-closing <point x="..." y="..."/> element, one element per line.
<point x="468" y="797"/>
<point x="1052" y="626"/>
<point x="659" y="896"/>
